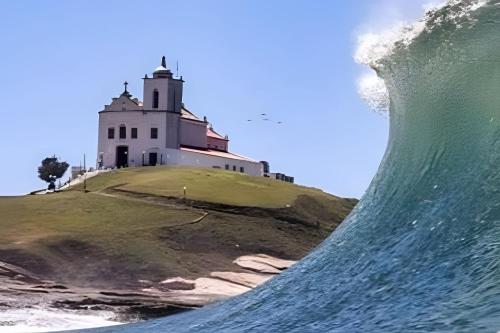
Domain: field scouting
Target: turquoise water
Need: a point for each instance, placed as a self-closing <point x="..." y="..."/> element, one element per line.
<point x="421" y="251"/>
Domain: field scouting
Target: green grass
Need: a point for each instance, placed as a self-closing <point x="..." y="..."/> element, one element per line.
<point x="118" y="228"/>
<point x="210" y="185"/>
<point x="87" y="215"/>
<point x="98" y="240"/>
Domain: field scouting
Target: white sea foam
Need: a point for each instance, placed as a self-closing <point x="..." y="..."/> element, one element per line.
<point x="372" y="47"/>
<point x="43" y="320"/>
<point x="373" y="91"/>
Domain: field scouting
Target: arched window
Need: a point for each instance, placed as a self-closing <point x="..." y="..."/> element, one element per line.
<point x="156" y="99"/>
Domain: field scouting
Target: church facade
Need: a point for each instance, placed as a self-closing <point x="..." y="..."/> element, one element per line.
<point x="161" y="131"/>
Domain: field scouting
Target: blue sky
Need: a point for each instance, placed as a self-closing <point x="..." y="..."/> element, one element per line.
<point x="61" y="61"/>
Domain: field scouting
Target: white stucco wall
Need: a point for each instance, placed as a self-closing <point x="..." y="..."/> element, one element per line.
<point x="193" y="133"/>
<point x="143" y="121"/>
<point x="122" y="103"/>
<point x="161" y="84"/>
<point x="180" y="157"/>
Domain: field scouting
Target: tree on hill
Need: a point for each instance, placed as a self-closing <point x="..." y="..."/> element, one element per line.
<point x="51" y="169"/>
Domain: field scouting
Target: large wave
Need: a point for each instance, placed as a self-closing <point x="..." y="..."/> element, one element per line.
<point x="420" y="253"/>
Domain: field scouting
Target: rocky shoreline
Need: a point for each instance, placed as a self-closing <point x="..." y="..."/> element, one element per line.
<point x="20" y="289"/>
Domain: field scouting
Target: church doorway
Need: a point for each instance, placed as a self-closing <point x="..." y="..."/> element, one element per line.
<point x="122" y="156"/>
<point x="153" y="158"/>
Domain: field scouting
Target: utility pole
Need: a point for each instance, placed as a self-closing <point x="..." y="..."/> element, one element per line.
<point x="84" y="175"/>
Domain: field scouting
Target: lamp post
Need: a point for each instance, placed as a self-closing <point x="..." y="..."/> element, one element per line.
<point x="143" y="153"/>
<point x="185" y="189"/>
<point x="85" y="183"/>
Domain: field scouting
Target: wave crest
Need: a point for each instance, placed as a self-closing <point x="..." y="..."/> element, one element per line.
<point x="374" y="49"/>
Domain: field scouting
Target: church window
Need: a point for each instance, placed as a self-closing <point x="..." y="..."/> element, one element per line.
<point x="111" y="133"/>
<point x="134" y="133"/>
<point x="123" y="132"/>
<point x="242" y="169"/>
<point x="154" y="133"/>
<point x="227" y="166"/>
<point x="234" y="167"/>
<point x="156" y="99"/>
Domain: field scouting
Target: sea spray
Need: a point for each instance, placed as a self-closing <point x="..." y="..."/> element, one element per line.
<point x="372" y="89"/>
<point x="39" y="319"/>
<point x="373" y="47"/>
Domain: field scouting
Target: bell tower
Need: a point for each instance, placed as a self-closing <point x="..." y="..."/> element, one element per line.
<point x="163" y="92"/>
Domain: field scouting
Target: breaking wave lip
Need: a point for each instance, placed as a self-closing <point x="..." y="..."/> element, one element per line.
<point x="372" y="89"/>
<point x="374" y="47"/>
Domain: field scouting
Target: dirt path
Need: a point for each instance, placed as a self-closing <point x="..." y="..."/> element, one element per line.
<point x="156" y="203"/>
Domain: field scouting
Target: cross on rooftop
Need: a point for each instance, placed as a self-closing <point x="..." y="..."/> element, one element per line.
<point x="125" y="92"/>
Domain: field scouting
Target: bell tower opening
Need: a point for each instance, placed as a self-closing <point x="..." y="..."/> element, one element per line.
<point x="156" y="99"/>
<point x="163" y="91"/>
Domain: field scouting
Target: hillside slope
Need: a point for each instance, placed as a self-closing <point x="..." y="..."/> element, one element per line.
<point x="135" y="225"/>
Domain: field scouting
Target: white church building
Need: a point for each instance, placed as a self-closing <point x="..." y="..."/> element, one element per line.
<point x="162" y="131"/>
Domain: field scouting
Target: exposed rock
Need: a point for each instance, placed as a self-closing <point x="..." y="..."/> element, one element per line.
<point x="280" y="264"/>
<point x="257" y="266"/>
<point x="178" y="283"/>
<point x="147" y="282"/>
<point x="218" y="287"/>
<point x="250" y="280"/>
<point x="263" y="263"/>
<point x="20" y="289"/>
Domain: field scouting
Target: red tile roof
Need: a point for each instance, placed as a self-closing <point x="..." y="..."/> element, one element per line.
<point x="213" y="134"/>
<point x="185" y="113"/>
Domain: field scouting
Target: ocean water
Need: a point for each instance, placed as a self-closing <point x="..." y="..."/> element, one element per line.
<point x="421" y="251"/>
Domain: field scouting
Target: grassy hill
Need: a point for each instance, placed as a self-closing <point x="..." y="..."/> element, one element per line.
<point x="134" y="224"/>
<point x="208" y="185"/>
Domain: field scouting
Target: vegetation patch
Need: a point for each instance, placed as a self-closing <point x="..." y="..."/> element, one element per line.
<point x="136" y="224"/>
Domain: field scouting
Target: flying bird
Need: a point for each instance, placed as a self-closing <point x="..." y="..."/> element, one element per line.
<point x="263" y="114"/>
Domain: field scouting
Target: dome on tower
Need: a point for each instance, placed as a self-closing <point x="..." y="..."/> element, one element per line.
<point x="162" y="69"/>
